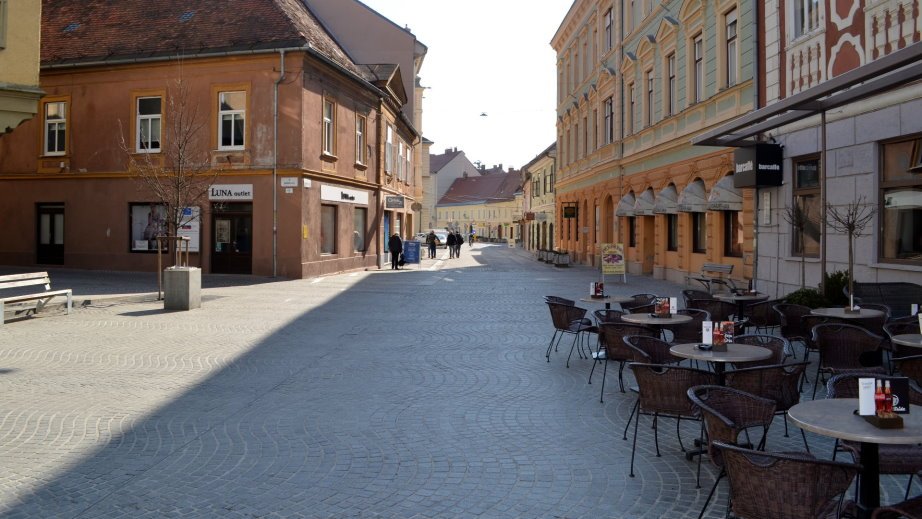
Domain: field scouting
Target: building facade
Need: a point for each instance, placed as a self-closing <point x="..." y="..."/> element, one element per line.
<point x="444" y="169"/>
<point x="489" y="204"/>
<point x="637" y="80"/>
<point x="539" y="206"/>
<point x="311" y="153"/>
<point x="20" y="35"/>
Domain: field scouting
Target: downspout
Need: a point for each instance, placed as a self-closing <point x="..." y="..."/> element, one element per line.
<point x="755" y="106"/>
<point x="822" y="202"/>
<point x="380" y="184"/>
<point x="621" y="124"/>
<point x="275" y="164"/>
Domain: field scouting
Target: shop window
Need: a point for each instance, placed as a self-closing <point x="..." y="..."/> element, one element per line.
<point x="146" y="221"/>
<point x="149" y="116"/>
<point x="699" y="233"/>
<point x="807" y="203"/>
<point x="327" y="229"/>
<point x="360" y="219"/>
<point x="733" y="234"/>
<point x="901" y="202"/>
<point x="232" y="120"/>
<point x="672" y="232"/>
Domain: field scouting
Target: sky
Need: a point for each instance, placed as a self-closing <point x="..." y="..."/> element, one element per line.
<point x="485" y="56"/>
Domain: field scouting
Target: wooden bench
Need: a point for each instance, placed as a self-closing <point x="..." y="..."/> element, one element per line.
<point x="14" y="281"/>
<point x="712" y="274"/>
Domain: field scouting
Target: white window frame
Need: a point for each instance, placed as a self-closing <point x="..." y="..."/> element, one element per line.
<point x="609" y="120"/>
<point x="806" y="16"/>
<point x="56" y="125"/>
<point x="148" y="121"/>
<point x="731" y="28"/>
<point x="234" y="115"/>
<point x="401" y="165"/>
<point x="650" y="99"/>
<point x="671" y="83"/>
<point x="360" y="126"/>
<point x="329" y="127"/>
<point x="698" y="68"/>
<point x="389" y="151"/>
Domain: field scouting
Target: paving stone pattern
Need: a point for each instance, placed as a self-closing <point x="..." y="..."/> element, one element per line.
<point x="420" y="393"/>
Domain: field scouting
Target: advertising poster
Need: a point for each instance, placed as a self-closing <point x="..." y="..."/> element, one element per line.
<point x="191" y="227"/>
<point x="613" y="258"/>
<point x="411" y="251"/>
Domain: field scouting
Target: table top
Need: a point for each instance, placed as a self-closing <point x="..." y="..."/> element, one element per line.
<point x="649" y="320"/>
<point x="735" y="298"/>
<point x="734" y="352"/>
<point x="908" y="339"/>
<point x="607" y="299"/>
<point x="835" y="418"/>
<point x="840" y="313"/>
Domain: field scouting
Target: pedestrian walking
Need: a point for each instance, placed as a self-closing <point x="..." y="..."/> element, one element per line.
<point x="459" y="241"/>
<point x="450" y="241"/>
<point x="395" y="246"/>
<point x="430" y="241"/>
<point x="470" y="238"/>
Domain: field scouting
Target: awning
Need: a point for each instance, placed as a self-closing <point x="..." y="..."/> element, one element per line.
<point x="692" y="199"/>
<point x="724" y="196"/>
<point x="626" y="205"/>
<point x="644" y="204"/>
<point x="666" y="201"/>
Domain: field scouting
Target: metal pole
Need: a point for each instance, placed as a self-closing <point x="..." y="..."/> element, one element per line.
<point x="275" y="164"/>
<point x="822" y="202"/>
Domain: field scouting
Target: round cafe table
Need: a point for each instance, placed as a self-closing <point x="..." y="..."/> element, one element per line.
<point x="835" y="418"/>
<point x="719" y="357"/>
<point x="608" y="300"/>
<point x="908" y="339"/>
<point x="840" y="313"/>
<point x="741" y="300"/>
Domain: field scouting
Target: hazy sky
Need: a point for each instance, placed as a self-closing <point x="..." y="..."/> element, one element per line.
<point x="485" y="56"/>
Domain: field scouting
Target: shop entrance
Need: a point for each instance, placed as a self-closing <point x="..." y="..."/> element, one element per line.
<point x="232" y="238"/>
<point x="49" y="240"/>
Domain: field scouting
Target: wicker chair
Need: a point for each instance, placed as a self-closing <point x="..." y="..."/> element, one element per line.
<point x="909" y="509"/>
<point x="662" y="393"/>
<point x="781" y="486"/>
<point x="844" y="348"/>
<point x="613" y="349"/>
<point x="792" y="328"/>
<point x="778" y="345"/>
<point x="568" y="319"/>
<point x="726" y="413"/>
<point x="900" y="327"/>
<point x="690" y="331"/>
<point x="719" y="310"/>
<point x="779" y="383"/>
<point x="690" y="294"/>
<point x="910" y="366"/>
<point x="639" y="300"/>
<point x="763" y="316"/>
<point x="641" y="309"/>
<point x="607" y="316"/>
<point x="651" y="350"/>
<point x="558" y="299"/>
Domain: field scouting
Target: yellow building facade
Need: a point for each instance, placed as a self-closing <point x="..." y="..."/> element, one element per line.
<point x="540" y="209"/>
<point x="20" y="45"/>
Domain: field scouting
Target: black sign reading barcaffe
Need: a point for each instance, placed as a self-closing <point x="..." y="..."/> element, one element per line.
<point x="393" y="202"/>
<point x="757" y="166"/>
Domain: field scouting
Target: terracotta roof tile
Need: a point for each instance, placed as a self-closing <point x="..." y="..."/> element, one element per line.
<point x="437" y="162"/>
<point x="497" y="187"/>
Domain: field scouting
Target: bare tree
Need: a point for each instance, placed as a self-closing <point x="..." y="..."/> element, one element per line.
<point x="799" y="217"/>
<point x="180" y="175"/>
<point x="851" y="220"/>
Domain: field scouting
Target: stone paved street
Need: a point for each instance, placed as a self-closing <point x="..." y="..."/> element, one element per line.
<point x="422" y="393"/>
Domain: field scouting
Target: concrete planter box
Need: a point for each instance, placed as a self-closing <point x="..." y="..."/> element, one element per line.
<point x="542" y="255"/>
<point x="182" y="288"/>
<point x="562" y="259"/>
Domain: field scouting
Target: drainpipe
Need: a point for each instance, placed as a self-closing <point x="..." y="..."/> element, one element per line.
<point x="381" y="239"/>
<point x="822" y="202"/>
<point x="755" y="100"/>
<point x="275" y="164"/>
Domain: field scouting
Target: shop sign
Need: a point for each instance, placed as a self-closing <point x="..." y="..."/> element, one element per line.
<point x="757" y="166"/>
<point x="393" y="202"/>
<point x="343" y="195"/>
<point x="569" y="211"/>
<point x="529" y="215"/>
<point x="231" y="192"/>
<point x="288" y="182"/>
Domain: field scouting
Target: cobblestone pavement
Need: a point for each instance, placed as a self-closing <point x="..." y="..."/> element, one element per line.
<point x="422" y="393"/>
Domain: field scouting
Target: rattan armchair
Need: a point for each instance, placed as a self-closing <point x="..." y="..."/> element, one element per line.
<point x="691" y="293"/>
<point x="909" y="366"/>
<point x="607" y="316"/>
<point x="779" y="383"/>
<point x="639" y="300"/>
<point x="777" y="345"/>
<point x="782" y="486"/>
<point x="613" y="349"/>
<point x="763" y="316"/>
<point x="909" y="509"/>
<point x="726" y="413"/>
<point x="846" y="347"/>
<point x="651" y="350"/>
<point x="900" y="327"/>
<point x="792" y="327"/>
<point x="662" y="393"/>
<point x="568" y="319"/>
<point x="558" y="299"/>
<point x="719" y="310"/>
<point x="691" y="330"/>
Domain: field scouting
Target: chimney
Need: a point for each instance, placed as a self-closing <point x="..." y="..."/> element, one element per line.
<point x="456" y="149"/>
<point x="447" y="150"/>
<point x="464" y="174"/>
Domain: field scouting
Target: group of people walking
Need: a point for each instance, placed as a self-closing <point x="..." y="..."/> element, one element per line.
<point x="454" y="241"/>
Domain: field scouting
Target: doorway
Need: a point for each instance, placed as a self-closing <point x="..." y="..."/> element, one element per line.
<point x="49" y="238"/>
<point x="232" y="238"/>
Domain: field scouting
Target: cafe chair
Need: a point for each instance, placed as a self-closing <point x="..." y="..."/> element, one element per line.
<point x="662" y="393"/>
<point x="691" y="293"/>
<point x="792" y="328"/>
<point x="766" y="485"/>
<point x="846" y="347"/>
<point x="908" y="509"/>
<point x="909" y="366"/>
<point x="901" y="327"/>
<point x="641" y="309"/>
<point x="689" y="331"/>
<point x="612" y="348"/>
<point x="779" y="383"/>
<point x="607" y="316"/>
<point x="763" y="317"/>
<point x="726" y="414"/>
<point x="568" y="319"/>
<point x="639" y="300"/>
<point x="778" y="346"/>
<point x="558" y="299"/>
<point x="894" y="459"/>
<point x="719" y="310"/>
<point x="651" y="350"/>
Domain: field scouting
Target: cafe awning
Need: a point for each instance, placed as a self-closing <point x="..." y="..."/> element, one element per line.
<point x="626" y="205"/>
<point x="692" y="199"/>
<point x="644" y="204"/>
<point x="667" y="201"/>
<point x="724" y="196"/>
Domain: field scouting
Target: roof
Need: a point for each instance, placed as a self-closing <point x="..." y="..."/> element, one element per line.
<point x="498" y="187"/>
<point x="80" y="31"/>
<point x="437" y="162"/>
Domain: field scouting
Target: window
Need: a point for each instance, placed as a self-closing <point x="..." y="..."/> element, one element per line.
<point x="410" y="175"/>
<point x="733" y="234"/>
<point x="609" y="121"/>
<point x="146" y="222"/>
<point x="585" y="136"/>
<point x="670" y="84"/>
<point x="698" y="70"/>
<point x="389" y="150"/>
<point x="148" y="130"/>
<point x="576" y="143"/>
<point x="630" y="111"/>
<point x="807" y="204"/>
<point x="631" y="231"/>
<point x="360" y="219"/>
<point x="699" y="232"/>
<point x="360" y="123"/>
<point x="327" y="229"/>
<point x="329" y="127"/>
<point x="232" y="120"/>
<point x="569" y="146"/>
<point x="806" y="16"/>
<point x="595" y="129"/>
<point x="672" y="232"/>
<point x="901" y="202"/>
<point x="598" y="223"/>
<point x="56" y="128"/>
<point x="730" y="49"/>
<point x="3" y="24"/>
<point x="649" y="98"/>
<point x="608" y="31"/>
<point x="401" y="164"/>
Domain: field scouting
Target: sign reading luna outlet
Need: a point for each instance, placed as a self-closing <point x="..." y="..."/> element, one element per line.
<point x="757" y="166"/>
<point x="231" y="192"/>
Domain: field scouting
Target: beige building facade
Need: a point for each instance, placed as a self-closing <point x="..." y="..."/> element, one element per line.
<point x="539" y="200"/>
<point x="20" y="42"/>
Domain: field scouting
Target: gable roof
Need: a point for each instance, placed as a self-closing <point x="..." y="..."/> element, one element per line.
<point x="81" y="31"/>
<point x="437" y="162"/>
<point x="498" y="187"/>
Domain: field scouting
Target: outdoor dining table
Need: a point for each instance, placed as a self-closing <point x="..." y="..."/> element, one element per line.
<point x="836" y="418"/>
<point x="840" y="313"/>
<point x="608" y="300"/>
<point x="720" y="356"/>
<point x="741" y="301"/>
<point x="656" y="322"/>
<point x="908" y="339"/>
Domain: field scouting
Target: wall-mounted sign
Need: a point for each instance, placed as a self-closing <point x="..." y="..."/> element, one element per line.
<point x="343" y="195"/>
<point x="569" y="211"/>
<point x="231" y="192"/>
<point x="393" y="202"/>
<point x="288" y="182"/>
<point x="757" y="166"/>
<point x="529" y="215"/>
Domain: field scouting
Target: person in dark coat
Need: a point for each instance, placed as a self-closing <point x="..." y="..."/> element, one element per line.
<point x="395" y="246"/>
<point x="430" y="241"/>
<point x="459" y="241"/>
<point x="450" y="241"/>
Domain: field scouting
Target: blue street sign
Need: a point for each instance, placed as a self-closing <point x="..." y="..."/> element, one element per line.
<point x="411" y="251"/>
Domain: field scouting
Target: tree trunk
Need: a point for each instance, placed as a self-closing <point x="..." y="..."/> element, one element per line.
<point x="851" y="276"/>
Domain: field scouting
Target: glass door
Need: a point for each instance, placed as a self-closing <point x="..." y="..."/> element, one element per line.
<point x="50" y="234"/>
<point x="232" y="239"/>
